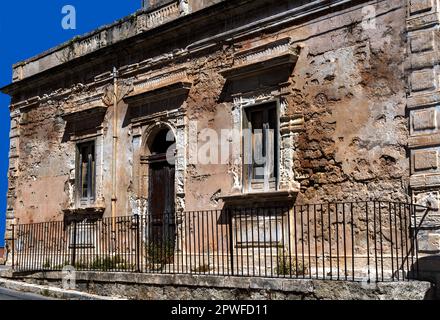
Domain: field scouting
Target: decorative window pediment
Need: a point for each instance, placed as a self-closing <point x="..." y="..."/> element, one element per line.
<point x="263" y="68"/>
<point x="251" y="62"/>
<point x="84" y="121"/>
<point x="157" y="94"/>
<point x="82" y="114"/>
<point x="170" y="89"/>
<point x="160" y="85"/>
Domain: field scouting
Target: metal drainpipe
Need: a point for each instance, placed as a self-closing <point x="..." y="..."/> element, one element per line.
<point x="115" y="146"/>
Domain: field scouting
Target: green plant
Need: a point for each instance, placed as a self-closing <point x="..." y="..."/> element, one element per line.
<point x="288" y="265"/>
<point x="73" y="40"/>
<point x="80" y="265"/>
<point x="61" y="266"/>
<point x="47" y="264"/>
<point x="109" y="263"/>
<point x="45" y="293"/>
<point x="161" y="252"/>
<point x="133" y="17"/>
<point x="202" y="269"/>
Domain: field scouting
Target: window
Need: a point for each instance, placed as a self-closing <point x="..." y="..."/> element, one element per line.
<point x="84" y="236"/>
<point x="86" y="171"/>
<point x="261" y="147"/>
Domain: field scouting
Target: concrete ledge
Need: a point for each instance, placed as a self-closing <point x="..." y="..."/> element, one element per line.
<point x="189" y="287"/>
<point x="52" y="292"/>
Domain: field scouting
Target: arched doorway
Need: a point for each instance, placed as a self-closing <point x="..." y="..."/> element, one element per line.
<point x="161" y="194"/>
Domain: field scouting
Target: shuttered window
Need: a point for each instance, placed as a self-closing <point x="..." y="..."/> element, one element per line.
<point x="261" y="147"/>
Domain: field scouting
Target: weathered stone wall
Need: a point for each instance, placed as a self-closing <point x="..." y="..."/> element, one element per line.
<point x="190" y="287"/>
<point x="343" y="105"/>
<point x="350" y="85"/>
<point x="44" y="166"/>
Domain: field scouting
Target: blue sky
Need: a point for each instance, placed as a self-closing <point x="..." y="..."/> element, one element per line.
<point x="29" y="27"/>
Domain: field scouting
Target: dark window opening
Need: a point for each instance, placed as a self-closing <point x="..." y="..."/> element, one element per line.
<point x="163" y="140"/>
<point x="86" y="168"/>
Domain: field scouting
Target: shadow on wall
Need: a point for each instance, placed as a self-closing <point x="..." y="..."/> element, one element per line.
<point x="428" y="269"/>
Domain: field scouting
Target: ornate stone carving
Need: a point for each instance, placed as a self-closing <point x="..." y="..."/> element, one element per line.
<point x="184" y="8"/>
<point x="156" y="80"/>
<point x="125" y="88"/>
<point x="291" y="124"/>
<point x="155" y="18"/>
<point x="254" y="98"/>
<point x="108" y="95"/>
<point x="263" y="52"/>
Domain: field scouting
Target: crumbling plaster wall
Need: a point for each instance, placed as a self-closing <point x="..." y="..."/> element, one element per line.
<point x="205" y="182"/>
<point x="348" y="85"/>
<point x="44" y="165"/>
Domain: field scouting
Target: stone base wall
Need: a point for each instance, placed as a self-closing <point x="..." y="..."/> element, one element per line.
<point x="192" y="287"/>
<point x="343" y="108"/>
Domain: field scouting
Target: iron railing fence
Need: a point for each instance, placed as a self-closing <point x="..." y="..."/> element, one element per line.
<point x="354" y="241"/>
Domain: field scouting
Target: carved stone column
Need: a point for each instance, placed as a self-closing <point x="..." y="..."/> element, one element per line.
<point x="13" y="174"/>
<point x="290" y="127"/>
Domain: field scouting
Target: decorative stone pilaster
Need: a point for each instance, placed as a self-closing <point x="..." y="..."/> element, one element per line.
<point x="181" y="161"/>
<point x="423" y="22"/>
<point x="236" y="169"/>
<point x="290" y="128"/>
<point x="14" y="139"/>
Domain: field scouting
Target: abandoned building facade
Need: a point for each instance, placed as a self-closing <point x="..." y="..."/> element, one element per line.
<point x="340" y="97"/>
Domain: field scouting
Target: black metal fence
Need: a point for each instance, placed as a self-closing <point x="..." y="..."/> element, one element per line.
<point x="356" y="241"/>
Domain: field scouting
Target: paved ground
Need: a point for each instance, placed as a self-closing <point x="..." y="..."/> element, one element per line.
<point x="7" y="294"/>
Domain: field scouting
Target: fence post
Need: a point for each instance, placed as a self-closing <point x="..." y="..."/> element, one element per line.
<point x="13" y="246"/>
<point x="231" y="240"/>
<point x="415" y="240"/>
<point x="137" y="251"/>
<point x="73" y="262"/>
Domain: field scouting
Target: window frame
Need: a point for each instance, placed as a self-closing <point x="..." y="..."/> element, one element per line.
<point x="247" y="169"/>
<point x="85" y="237"/>
<point x="91" y="192"/>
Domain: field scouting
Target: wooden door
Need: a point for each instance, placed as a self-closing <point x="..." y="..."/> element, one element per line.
<point x="161" y="201"/>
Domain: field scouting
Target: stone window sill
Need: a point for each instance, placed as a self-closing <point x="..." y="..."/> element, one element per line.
<point x="282" y="197"/>
<point x="83" y="213"/>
